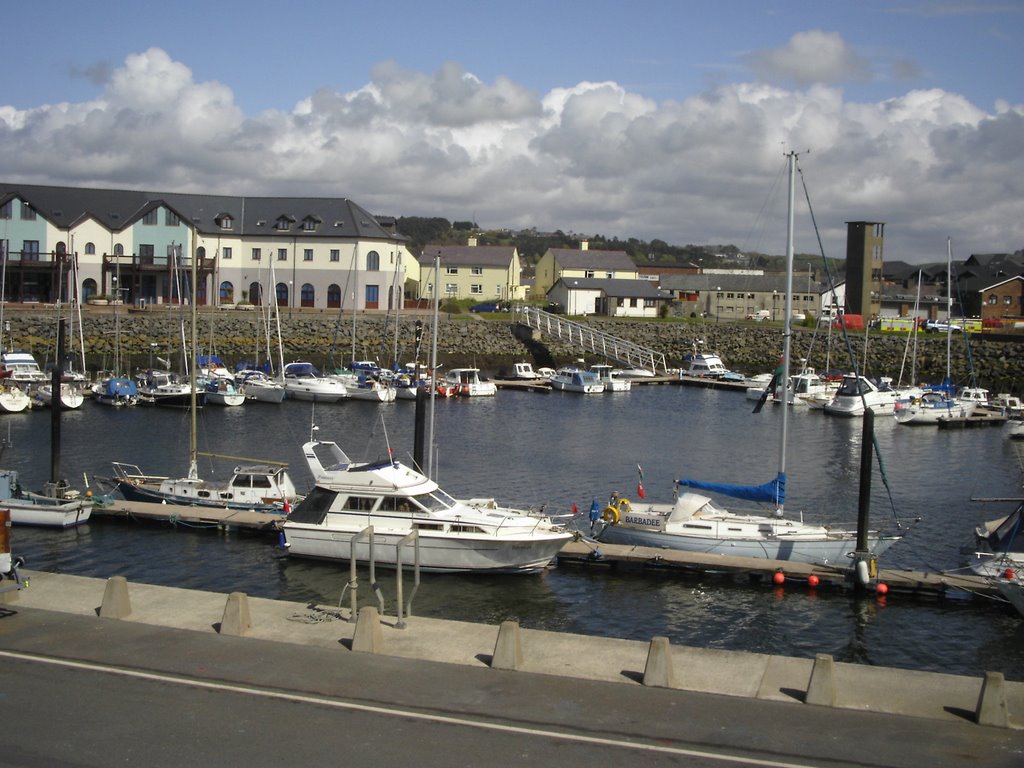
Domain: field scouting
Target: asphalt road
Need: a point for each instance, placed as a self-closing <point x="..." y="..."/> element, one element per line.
<point x="83" y="691"/>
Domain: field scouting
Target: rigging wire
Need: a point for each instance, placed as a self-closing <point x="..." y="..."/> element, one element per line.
<point x="849" y="346"/>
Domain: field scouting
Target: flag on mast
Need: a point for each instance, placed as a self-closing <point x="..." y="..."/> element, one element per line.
<point x="640" y="481"/>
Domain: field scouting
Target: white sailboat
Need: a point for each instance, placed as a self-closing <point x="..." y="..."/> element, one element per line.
<point x="260" y="486"/>
<point x="695" y="523"/>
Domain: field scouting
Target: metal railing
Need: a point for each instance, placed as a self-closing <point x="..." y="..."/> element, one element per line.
<point x="404" y="609"/>
<point x="590" y="339"/>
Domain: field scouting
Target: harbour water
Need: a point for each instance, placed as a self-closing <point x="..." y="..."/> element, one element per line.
<point x="558" y="450"/>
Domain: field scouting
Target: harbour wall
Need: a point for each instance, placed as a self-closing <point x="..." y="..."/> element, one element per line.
<point x="490" y="344"/>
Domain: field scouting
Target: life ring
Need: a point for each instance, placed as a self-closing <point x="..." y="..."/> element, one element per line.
<point x="613" y="512"/>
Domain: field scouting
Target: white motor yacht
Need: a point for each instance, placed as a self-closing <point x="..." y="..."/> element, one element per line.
<point x="611" y="382"/>
<point x="303" y="381"/>
<point x="856" y="391"/>
<point x="572" y="379"/>
<point x="467" y="383"/>
<point x="396" y="500"/>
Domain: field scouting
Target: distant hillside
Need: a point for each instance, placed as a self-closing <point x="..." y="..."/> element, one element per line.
<point x="532" y="244"/>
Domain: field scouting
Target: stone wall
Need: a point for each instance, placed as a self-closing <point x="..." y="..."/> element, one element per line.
<point x="490" y="344"/>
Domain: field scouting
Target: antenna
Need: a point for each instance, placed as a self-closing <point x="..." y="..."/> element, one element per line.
<point x="313" y="428"/>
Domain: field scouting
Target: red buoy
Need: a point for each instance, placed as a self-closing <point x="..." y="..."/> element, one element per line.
<point x="778" y="577"/>
<point x="882" y="588"/>
<point x="1009" y="573"/>
<point x="813" y="580"/>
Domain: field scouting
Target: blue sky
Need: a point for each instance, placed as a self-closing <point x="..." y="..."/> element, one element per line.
<point x="650" y="119"/>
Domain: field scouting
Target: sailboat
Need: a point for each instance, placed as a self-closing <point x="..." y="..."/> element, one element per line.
<point x="933" y="404"/>
<point x="695" y="523"/>
<point x="263" y="486"/>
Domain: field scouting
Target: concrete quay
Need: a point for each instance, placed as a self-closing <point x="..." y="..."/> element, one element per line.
<point x="597" y="698"/>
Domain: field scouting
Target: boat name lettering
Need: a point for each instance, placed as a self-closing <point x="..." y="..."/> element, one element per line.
<point x="641" y="521"/>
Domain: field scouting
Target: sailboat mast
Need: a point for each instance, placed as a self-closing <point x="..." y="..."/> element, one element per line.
<point x="193" y="451"/>
<point x="433" y="374"/>
<point x="949" y="306"/>
<point x="787" y="320"/>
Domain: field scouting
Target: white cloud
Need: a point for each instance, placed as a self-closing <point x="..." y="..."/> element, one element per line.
<point x="592" y="158"/>
<point x="811" y="57"/>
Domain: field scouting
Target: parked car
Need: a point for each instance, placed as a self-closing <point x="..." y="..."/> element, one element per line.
<point x="941" y="326"/>
<point x="486" y="306"/>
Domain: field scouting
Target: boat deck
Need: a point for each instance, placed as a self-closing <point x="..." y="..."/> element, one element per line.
<point x="200" y="517"/>
<point x="916" y="583"/>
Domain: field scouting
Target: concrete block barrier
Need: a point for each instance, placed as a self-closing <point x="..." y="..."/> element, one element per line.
<point x="658" y="670"/>
<point x="116" y="604"/>
<point x="236" y="620"/>
<point x="992" y="709"/>
<point x="368" y="637"/>
<point x="821" y="690"/>
<point x="508" y="650"/>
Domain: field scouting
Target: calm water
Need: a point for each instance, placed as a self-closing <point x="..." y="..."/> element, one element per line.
<point x="560" y="449"/>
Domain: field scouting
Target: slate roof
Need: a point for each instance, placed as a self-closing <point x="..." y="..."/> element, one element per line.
<point x="468" y="255"/>
<point x="615" y="287"/>
<point x="741" y="283"/>
<point x="574" y="258"/>
<point x="117" y="209"/>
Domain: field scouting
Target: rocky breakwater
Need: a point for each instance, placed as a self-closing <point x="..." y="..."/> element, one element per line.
<point x="321" y="336"/>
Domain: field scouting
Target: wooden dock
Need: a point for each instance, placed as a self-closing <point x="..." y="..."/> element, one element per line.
<point x="979" y="418"/>
<point x="193" y="517"/>
<point x="916" y="583"/>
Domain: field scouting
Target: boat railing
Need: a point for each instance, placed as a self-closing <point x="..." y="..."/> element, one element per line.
<point x="353" y="582"/>
<point x="132" y="474"/>
<point x="414" y="538"/>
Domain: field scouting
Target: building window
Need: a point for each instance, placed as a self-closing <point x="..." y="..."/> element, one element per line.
<point x="171" y="219"/>
<point x="648" y="303"/>
<point x="282" y="224"/>
<point x="28" y="213"/>
<point x="281" y="291"/>
<point x="333" y="296"/>
<point x="588" y="273"/>
<point x="227" y="293"/>
<point x="1008" y="300"/>
<point x="90" y="249"/>
<point x="476" y="288"/>
<point x="308" y="295"/>
<point x="477" y="271"/>
<point x="224" y="222"/>
<point x="430" y="289"/>
<point x="225" y="252"/>
<point x="150" y="217"/>
<point x="372" y="261"/>
<point x="451" y="289"/>
<point x="609" y="275"/>
<point x="256" y="254"/>
<point x="282" y="254"/>
<point x="147" y="253"/>
<point x="309" y="225"/>
<point x="451" y="270"/>
<point x="6" y="209"/>
<point x="335" y="254"/>
<point x="30" y="250"/>
<point x="372" y="296"/>
<point x="307" y="254"/>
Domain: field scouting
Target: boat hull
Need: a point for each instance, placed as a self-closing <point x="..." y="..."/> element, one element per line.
<point x="152" y="493"/>
<point x="62" y="515"/>
<point x="448" y="554"/>
<point x="833" y="550"/>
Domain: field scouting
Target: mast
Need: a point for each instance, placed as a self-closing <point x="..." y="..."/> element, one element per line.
<point x="949" y="310"/>
<point x="787" y="320"/>
<point x="193" y="468"/>
<point x="433" y="375"/>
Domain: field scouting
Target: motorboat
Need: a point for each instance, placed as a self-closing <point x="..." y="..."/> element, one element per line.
<point x="366" y="388"/>
<point x="467" y="383"/>
<point x="395" y="500"/>
<point x="259" y="487"/>
<point x="303" y="381"/>
<point x="1000" y="555"/>
<point x="855" y="392"/>
<point x="116" y="391"/>
<point x="524" y="371"/>
<point x="545" y="373"/>
<point x="70" y="396"/>
<point x="807" y="388"/>
<point x="573" y="379"/>
<point x="22" y="368"/>
<point x="159" y="387"/>
<point x="693" y="522"/>
<point x="1015" y="429"/>
<point x="757" y="386"/>
<point x="57" y="507"/>
<point x="632" y="373"/>
<point x="1007" y="405"/>
<point x="13" y="398"/>
<point x="704" y="365"/>
<point x="611" y="382"/>
<point x="259" y="387"/>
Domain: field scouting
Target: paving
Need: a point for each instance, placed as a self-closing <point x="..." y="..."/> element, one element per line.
<point x="457" y="666"/>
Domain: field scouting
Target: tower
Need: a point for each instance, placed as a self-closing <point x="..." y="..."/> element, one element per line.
<point x="864" y="241"/>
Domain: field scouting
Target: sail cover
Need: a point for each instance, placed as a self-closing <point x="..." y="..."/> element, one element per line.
<point x="774" y="491"/>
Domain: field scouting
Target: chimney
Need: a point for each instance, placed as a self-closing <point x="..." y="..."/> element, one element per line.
<point x="472" y="242"/>
<point x="584" y="245"/>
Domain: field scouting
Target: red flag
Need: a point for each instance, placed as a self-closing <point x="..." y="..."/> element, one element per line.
<point x="575" y="509"/>
<point x="640" y="481"/>
<point x="640" y="489"/>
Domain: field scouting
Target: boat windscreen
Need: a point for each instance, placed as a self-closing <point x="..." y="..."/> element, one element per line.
<point x="438" y="501"/>
<point x="314" y="508"/>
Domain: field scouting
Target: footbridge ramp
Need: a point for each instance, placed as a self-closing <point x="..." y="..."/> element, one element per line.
<point x="588" y="339"/>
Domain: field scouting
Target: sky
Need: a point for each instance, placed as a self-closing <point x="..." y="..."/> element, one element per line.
<point x="654" y="119"/>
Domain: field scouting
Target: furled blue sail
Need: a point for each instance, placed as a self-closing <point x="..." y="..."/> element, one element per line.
<point x="774" y="491"/>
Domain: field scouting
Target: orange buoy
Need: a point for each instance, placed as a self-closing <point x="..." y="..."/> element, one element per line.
<point x="882" y="588"/>
<point x="813" y="580"/>
<point x="778" y="577"/>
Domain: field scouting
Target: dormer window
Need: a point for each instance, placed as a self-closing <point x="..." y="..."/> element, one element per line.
<point x="283" y="223"/>
<point x="310" y="223"/>
<point x="225" y="221"/>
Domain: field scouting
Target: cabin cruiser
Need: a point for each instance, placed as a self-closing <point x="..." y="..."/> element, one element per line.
<point x="467" y="383"/>
<point x="704" y="365"/>
<point x="57" y="507"/>
<point x="156" y="387"/>
<point x="572" y="379"/>
<point x="856" y="391"/>
<point x="258" y="487"/>
<point x="396" y="500"/>
<point x="606" y="376"/>
<point x="302" y="381"/>
<point x="22" y="368"/>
